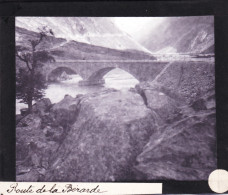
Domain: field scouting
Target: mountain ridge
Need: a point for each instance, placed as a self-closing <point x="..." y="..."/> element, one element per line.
<point x="181" y="35"/>
<point x="74" y="50"/>
<point x="100" y="31"/>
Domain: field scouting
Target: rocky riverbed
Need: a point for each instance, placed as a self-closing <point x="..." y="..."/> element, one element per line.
<point x="164" y="129"/>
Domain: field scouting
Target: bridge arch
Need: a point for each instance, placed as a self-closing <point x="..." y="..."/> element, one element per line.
<point x="93" y="71"/>
<point x="53" y="74"/>
<point x="97" y="77"/>
<point x="99" y="74"/>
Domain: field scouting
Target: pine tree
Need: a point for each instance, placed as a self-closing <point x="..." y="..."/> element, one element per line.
<point x="30" y="83"/>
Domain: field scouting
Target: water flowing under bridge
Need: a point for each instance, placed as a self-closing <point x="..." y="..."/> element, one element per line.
<point x="92" y="71"/>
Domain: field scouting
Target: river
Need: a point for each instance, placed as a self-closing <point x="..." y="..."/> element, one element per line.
<point x="116" y="78"/>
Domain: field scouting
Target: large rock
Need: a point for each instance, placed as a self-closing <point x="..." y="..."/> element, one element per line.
<point x="39" y="135"/>
<point x="185" y="150"/>
<point x="64" y="76"/>
<point x="184" y="146"/>
<point x="65" y="112"/>
<point x="111" y="129"/>
<point x="42" y="106"/>
<point x="164" y="103"/>
<point x="61" y="116"/>
<point x="32" y="148"/>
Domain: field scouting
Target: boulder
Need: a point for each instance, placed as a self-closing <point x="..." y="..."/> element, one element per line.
<point x="31" y="176"/>
<point x="184" y="146"/>
<point x="165" y="107"/>
<point x="40" y="133"/>
<point x="185" y="150"/>
<point x="42" y="106"/>
<point x="31" y="120"/>
<point x="199" y="105"/>
<point x="164" y="103"/>
<point x="24" y="111"/>
<point x="65" y="112"/>
<point x="55" y="133"/>
<point x="64" y="76"/>
<point x="111" y="129"/>
<point x="204" y="102"/>
<point x="33" y="149"/>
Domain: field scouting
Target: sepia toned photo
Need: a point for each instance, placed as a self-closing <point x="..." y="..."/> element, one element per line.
<point x="115" y="99"/>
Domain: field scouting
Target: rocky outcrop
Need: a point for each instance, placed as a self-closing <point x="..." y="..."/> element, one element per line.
<point x="41" y="107"/>
<point x="86" y="138"/>
<point x="183" y="150"/>
<point x="164" y="129"/>
<point x="164" y="103"/>
<point x="32" y="149"/>
<point x="39" y="134"/>
<point x="65" y="112"/>
<point x="184" y="145"/>
<point x="111" y="129"/>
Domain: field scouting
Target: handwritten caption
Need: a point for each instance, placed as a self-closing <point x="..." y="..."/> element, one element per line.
<point x="68" y="188"/>
<point x="84" y="188"/>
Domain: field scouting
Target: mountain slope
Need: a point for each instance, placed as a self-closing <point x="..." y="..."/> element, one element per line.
<point x="182" y="35"/>
<point x="97" y="31"/>
<point x="74" y="50"/>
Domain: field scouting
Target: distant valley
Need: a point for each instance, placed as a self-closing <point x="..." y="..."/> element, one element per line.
<point x="180" y="35"/>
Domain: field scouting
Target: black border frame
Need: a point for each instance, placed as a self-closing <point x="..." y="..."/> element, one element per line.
<point x="10" y="9"/>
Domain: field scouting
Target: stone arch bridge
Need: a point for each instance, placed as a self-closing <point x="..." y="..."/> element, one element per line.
<point x="92" y="71"/>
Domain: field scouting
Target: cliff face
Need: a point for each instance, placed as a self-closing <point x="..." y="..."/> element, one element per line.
<point x="122" y="136"/>
<point x="181" y="35"/>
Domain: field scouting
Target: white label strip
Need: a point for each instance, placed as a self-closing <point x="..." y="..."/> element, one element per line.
<point x="48" y="188"/>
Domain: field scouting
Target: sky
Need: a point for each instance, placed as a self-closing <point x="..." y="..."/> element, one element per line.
<point x="134" y="25"/>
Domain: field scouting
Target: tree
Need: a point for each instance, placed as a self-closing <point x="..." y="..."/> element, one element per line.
<point x="30" y="83"/>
